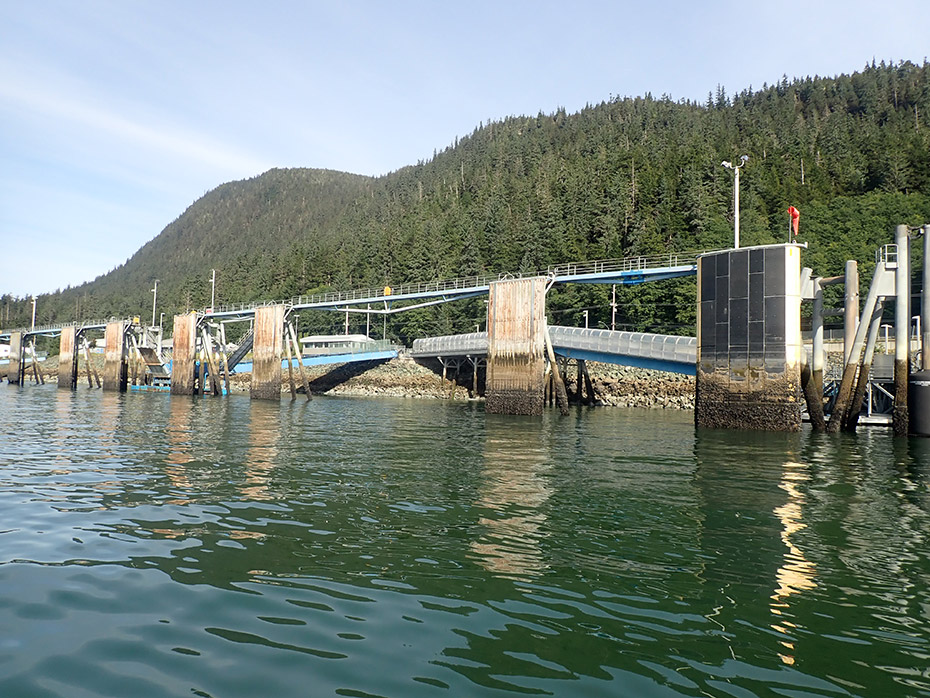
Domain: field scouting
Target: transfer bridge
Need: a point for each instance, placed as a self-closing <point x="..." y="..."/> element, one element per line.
<point x="654" y="351"/>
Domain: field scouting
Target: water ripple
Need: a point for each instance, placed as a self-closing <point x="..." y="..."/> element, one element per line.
<point x="155" y="545"/>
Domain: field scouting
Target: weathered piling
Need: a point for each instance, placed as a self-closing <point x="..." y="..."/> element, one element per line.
<point x="851" y="417"/>
<point x="267" y="350"/>
<point x="115" y="368"/>
<point x="16" y="367"/>
<point x="902" y="326"/>
<point x="850" y="307"/>
<point x="878" y="290"/>
<point x="68" y="358"/>
<point x="183" y="354"/>
<point x="749" y="339"/>
<point x="516" y="346"/>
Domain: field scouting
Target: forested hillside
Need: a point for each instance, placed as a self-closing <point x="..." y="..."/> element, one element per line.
<point x="628" y="176"/>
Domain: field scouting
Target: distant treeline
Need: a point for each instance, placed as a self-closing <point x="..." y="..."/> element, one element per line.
<point x="625" y="177"/>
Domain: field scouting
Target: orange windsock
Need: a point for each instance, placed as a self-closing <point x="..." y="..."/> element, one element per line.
<point x="795" y="218"/>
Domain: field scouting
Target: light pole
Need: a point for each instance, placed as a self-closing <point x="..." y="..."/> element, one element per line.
<point x="33" y="312"/>
<point x="585" y="313"/>
<point x="161" y="319"/>
<point x="613" y="308"/>
<point x="212" y="288"/>
<point x="154" y="299"/>
<point x="735" y="168"/>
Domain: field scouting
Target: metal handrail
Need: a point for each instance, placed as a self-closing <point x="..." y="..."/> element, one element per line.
<point x="40" y="329"/>
<point x="477" y="282"/>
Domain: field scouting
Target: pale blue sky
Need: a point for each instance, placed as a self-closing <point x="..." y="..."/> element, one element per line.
<point x="116" y="115"/>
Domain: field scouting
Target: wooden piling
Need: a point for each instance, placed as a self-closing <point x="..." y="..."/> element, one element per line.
<point x="588" y="383"/>
<point x="225" y="358"/>
<point x="851" y="418"/>
<point x="67" y="359"/>
<point x="290" y="370"/>
<point x="300" y="363"/>
<point x="115" y="370"/>
<point x="183" y="354"/>
<point x="266" y="353"/>
<point x="89" y="364"/>
<point x="36" y="373"/>
<point x="216" y="387"/>
<point x="561" y="396"/>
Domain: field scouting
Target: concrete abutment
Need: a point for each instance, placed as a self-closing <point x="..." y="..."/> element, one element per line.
<point x="516" y="346"/>
<point x="115" y="365"/>
<point x="68" y="358"/>
<point x="749" y="339"/>
<point x="183" y="357"/>
<point x="267" y="352"/>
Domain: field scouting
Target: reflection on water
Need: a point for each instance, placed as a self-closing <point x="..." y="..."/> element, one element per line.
<point x="264" y="432"/>
<point x="167" y="546"/>
<point x="796" y="573"/>
<point x="179" y="438"/>
<point x="513" y="492"/>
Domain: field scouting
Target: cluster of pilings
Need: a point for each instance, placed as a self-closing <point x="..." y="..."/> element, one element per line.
<point x="891" y="281"/>
<point x="272" y="339"/>
<point x="73" y="340"/>
<point x="752" y="368"/>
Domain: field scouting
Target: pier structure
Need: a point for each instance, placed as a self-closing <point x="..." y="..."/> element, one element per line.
<point x="750" y="363"/>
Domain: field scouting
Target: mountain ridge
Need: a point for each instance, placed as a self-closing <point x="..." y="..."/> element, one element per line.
<point x="632" y="175"/>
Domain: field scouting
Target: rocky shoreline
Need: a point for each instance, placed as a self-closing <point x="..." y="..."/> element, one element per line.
<point x="614" y="386"/>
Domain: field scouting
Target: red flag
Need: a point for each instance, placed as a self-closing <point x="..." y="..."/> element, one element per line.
<point x="795" y="217"/>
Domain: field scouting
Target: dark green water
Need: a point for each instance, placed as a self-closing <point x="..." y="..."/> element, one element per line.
<point x="158" y="546"/>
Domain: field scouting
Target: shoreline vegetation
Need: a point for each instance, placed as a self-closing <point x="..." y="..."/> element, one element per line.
<point x="614" y="386"/>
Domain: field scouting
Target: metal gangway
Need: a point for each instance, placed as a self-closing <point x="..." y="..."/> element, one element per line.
<point x="640" y="349"/>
